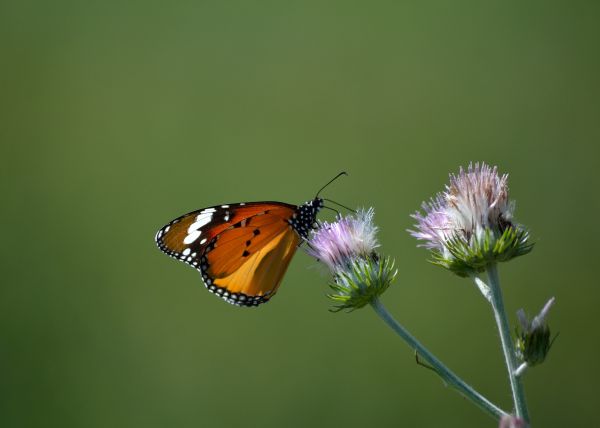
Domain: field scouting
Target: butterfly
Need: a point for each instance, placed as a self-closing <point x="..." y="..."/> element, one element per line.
<point x="242" y="250"/>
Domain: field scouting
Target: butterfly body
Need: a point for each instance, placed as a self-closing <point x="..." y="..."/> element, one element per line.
<point x="241" y="250"/>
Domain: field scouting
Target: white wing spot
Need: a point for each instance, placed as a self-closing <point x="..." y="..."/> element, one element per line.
<point x="203" y="241"/>
<point x="194" y="230"/>
<point x="201" y="220"/>
<point x="167" y="229"/>
<point x="186" y="251"/>
<point x="191" y="237"/>
<point x="224" y="206"/>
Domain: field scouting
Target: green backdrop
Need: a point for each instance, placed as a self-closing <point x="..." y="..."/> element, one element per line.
<point x="116" y="117"/>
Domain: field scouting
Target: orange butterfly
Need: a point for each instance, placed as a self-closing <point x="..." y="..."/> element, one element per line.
<point x="242" y="250"/>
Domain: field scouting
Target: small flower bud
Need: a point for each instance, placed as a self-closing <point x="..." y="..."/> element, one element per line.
<point x="510" y="421"/>
<point x="347" y="247"/>
<point x="470" y="225"/>
<point x="533" y="338"/>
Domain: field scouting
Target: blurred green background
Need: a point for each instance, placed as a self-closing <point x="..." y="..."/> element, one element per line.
<point x="118" y="116"/>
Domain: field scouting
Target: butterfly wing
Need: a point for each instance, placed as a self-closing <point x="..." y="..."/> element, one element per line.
<point x="241" y="250"/>
<point x="248" y="269"/>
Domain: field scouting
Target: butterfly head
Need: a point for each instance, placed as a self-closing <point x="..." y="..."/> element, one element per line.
<point x="305" y="216"/>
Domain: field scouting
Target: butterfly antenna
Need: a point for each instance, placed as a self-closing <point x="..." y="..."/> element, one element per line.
<point x="340" y="205"/>
<point x="331" y="181"/>
<point x="338" y="214"/>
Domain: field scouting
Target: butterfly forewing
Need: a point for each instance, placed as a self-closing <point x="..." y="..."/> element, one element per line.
<point x="192" y="232"/>
<point x="233" y="246"/>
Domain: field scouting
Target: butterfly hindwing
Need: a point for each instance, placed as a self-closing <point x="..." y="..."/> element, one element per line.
<point x="252" y="277"/>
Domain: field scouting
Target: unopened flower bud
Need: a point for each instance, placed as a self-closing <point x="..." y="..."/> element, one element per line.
<point x="533" y="338"/>
<point x="510" y="421"/>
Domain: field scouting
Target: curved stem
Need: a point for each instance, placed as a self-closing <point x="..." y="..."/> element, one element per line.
<point x="508" y="346"/>
<point x="444" y="372"/>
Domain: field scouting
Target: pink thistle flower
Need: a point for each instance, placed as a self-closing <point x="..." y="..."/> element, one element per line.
<point x="347" y="247"/>
<point x="337" y="244"/>
<point x="469" y="225"/>
<point x="435" y="227"/>
<point x="478" y="199"/>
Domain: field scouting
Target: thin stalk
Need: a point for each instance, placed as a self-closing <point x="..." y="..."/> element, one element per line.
<point x="444" y="372"/>
<point x="508" y="346"/>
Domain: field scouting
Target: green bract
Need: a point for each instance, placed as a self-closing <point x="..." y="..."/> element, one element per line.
<point x="533" y="346"/>
<point x="465" y="258"/>
<point x="364" y="280"/>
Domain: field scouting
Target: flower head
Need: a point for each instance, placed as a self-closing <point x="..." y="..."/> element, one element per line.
<point x="533" y="338"/>
<point x="347" y="247"/>
<point x="337" y="244"/>
<point x="469" y="225"/>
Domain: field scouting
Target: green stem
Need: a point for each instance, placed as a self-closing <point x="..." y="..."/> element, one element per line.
<point x="445" y="373"/>
<point x="508" y="346"/>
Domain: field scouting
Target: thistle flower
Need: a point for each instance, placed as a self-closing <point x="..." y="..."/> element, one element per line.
<point x="337" y="244"/>
<point x="470" y="224"/>
<point x="347" y="247"/>
<point x="533" y="338"/>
